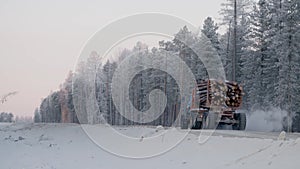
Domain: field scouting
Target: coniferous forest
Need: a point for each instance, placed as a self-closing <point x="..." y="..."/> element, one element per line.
<point x="267" y="65"/>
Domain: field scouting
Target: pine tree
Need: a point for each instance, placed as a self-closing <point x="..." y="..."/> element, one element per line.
<point x="210" y="29"/>
<point x="242" y="30"/>
<point x="227" y="11"/>
<point x="288" y="49"/>
<point x="261" y="86"/>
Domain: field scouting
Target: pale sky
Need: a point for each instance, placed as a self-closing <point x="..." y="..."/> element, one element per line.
<point x="41" y="40"/>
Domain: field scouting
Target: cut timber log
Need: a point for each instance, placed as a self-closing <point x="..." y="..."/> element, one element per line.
<point x="218" y="93"/>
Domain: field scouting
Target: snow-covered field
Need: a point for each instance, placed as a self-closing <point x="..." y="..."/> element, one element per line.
<point x="67" y="146"/>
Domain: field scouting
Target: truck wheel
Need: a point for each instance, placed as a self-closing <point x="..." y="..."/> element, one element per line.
<point x="241" y="121"/>
<point x="210" y="121"/>
<point x="197" y="125"/>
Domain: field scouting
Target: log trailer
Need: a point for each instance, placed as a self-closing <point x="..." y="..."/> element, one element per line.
<point x="214" y="103"/>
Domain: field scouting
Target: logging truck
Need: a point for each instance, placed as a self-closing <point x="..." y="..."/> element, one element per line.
<point x="214" y="103"/>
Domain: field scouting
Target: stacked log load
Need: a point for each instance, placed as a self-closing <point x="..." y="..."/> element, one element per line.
<point x="219" y="93"/>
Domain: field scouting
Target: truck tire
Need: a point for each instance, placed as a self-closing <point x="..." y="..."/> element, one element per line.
<point x="197" y="125"/>
<point x="210" y="121"/>
<point x="241" y="121"/>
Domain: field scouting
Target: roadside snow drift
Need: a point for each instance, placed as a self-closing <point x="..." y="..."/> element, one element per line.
<point x="67" y="146"/>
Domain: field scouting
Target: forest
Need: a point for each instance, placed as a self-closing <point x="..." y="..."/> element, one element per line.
<point x="267" y="49"/>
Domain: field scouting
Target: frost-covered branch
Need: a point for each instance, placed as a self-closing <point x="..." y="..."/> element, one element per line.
<point x="4" y="97"/>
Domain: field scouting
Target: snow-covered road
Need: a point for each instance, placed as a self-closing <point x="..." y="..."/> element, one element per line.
<point x="66" y="146"/>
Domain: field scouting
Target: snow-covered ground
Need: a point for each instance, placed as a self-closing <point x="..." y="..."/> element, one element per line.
<point x="67" y="146"/>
